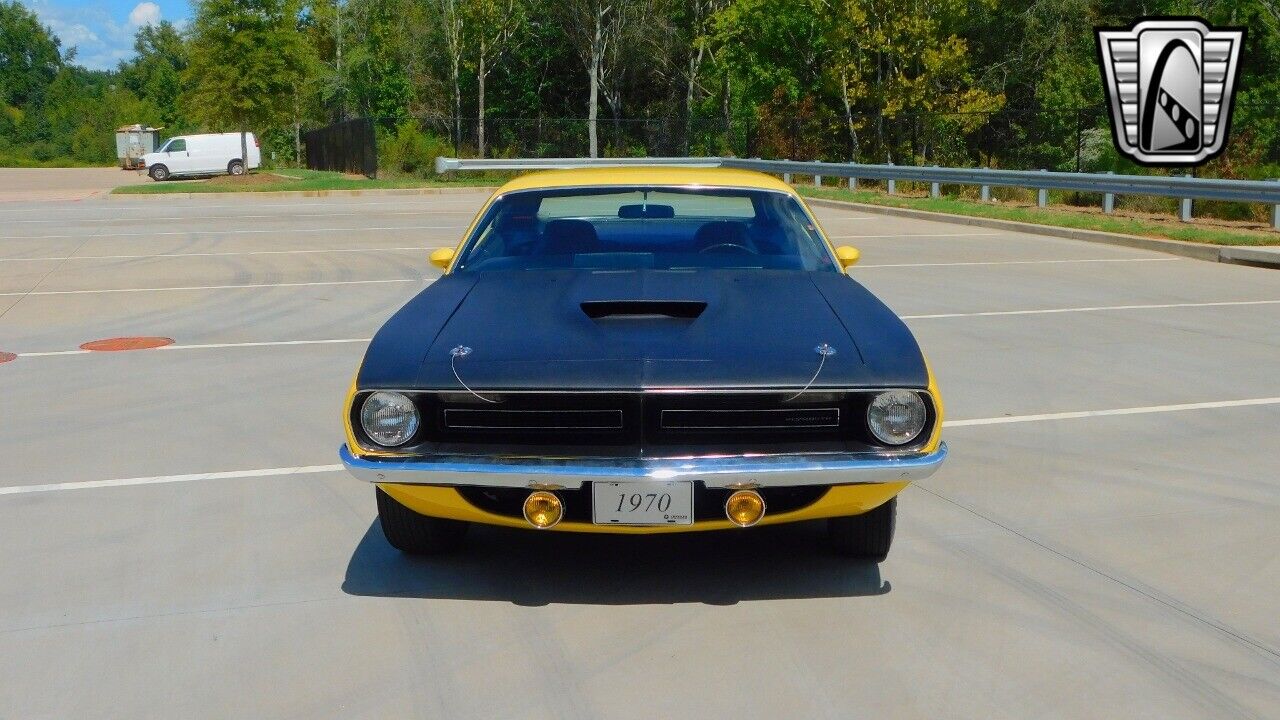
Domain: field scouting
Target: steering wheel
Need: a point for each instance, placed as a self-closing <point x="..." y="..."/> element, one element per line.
<point x="729" y="246"/>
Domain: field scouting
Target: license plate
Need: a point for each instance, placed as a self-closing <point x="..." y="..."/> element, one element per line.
<point x="649" y="502"/>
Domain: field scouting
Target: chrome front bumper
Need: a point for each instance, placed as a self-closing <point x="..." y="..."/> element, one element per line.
<point x="716" y="472"/>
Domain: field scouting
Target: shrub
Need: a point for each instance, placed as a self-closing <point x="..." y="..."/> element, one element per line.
<point x="411" y="151"/>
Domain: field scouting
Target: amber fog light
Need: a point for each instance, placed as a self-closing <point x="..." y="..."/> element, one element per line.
<point x="744" y="508"/>
<point x="543" y="509"/>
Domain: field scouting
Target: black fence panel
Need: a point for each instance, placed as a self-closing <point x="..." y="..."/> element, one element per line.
<point x="350" y="146"/>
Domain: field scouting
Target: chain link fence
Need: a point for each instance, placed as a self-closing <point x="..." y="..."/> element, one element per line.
<point x="1068" y="140"/>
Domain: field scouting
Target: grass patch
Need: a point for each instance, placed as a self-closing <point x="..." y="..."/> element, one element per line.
<point x="294" y="180"/>
<point x="1060" y="216"/>
<point x="22" y="161"/>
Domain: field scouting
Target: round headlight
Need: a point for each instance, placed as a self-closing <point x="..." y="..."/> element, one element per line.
<point x="389" y="418"/>
<point x="896" y="417"/>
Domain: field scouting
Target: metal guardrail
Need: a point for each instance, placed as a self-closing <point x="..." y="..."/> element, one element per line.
<point x="444" y="164"/>
<point x="1109" y="185"/>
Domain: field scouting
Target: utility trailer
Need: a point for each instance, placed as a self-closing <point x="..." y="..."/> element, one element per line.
<point x="134" y="141"/>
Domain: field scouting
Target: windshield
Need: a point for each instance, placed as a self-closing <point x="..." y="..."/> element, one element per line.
<point x="645" y="227"/>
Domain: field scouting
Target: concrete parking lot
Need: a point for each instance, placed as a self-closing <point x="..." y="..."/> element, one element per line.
<point x="33" y="185"/>
<point x="177" y="541"/>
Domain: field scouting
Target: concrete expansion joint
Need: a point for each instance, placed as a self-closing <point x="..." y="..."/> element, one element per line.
<point x="1132" y="586"/>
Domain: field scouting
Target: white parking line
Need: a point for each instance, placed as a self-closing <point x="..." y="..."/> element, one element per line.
<point x="1105" y="413"/>
<point x="207" y="346"/>
<point x="216" y="254"/>
<point x="314" y="469"/>
<point x="159" y="479"/>
<point x="916" y="235"/>
<point x="274" y="231"/>
<point x="1017" y="262"/>
<point x="275" y="343"/>
<point x="249" y="204"/>
<point x="211" y="287"/>
<point x="281" y="216"/>
<point x="1051" y="311"/>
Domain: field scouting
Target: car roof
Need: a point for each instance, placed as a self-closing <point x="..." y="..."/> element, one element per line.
<point x="648" y="175"/>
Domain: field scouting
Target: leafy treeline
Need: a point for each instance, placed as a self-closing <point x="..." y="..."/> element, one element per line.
<point x="1004" y="82"/>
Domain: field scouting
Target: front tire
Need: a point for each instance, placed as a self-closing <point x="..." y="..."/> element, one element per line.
<point x="866" y="536"/>
<point x="159" y="173"/>
<point x="416" y="534"/>
<point x="235" y="167"/>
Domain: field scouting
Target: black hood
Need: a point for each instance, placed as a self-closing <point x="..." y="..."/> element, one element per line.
<point x="579" y="329"/>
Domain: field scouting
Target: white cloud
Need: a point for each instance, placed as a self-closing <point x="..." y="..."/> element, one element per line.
<point x="73" y="33"/>
<point x="145" y="13"/>
<point x="101" y="40"/>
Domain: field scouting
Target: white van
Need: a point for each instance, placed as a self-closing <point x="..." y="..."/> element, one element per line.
<point x="202" y="155"/>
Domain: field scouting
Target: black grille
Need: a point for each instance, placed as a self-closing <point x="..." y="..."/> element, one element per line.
<point x="708" y="503"/>
<point x="811" y="422"/>
<point x="462" y="419"/>
<point x="757" y="419"/>
<point x="644" y="424"/>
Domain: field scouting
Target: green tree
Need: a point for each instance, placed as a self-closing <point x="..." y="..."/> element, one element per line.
<point x="30" y="55"/>
<point x="774" y="44"/>
<point x="246" y="61"/>
<point x="327" y="29"/>
<point x="449" y="20"/>
<point x="920" y="65"/>
<point x="379" y="60"/>
<point x="691" y="47"/>
<point x="81" y="110"/>
<point x="155" y="72"/>
<point x="596" y="30"/>
<point x="773" y="55"/>
<point x="938" y="81"/>
<point x="491" y="27"/>
<point x="848" y="65"/>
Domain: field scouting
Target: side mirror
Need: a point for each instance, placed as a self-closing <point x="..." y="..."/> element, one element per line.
<point x="848" y="256"/>
<point x="442" y="257"/>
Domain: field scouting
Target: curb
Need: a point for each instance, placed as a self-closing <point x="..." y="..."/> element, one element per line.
<point x="309" y="193"/>
<point x="1198" y="251"/>
<point x="1253" y="256"/>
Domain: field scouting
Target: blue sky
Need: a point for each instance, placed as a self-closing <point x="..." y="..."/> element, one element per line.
<point x="103" y="30"/>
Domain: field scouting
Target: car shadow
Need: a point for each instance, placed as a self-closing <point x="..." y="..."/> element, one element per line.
<point x="533" y="568"/>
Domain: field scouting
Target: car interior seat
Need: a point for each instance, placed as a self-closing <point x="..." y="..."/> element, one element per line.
<point x="569" y="237"/>
<point x="720" y="234"/>
<point x="518" y="233"/>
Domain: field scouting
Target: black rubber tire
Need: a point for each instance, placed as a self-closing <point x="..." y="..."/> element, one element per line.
<point x="159" y="173"/>
<point x="866" y="536"/>
<point x="235" y="167"/>
<point x="416" y="534"/>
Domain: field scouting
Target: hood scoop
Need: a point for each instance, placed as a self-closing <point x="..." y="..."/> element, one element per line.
<point x="643" y="309"/>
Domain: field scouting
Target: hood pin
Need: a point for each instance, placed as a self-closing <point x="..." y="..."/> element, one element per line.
<point x="824" y="351"/>
<point x="459" y="352"/>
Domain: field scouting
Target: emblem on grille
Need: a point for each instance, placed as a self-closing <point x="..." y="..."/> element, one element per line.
<point x="1170" y="83"/>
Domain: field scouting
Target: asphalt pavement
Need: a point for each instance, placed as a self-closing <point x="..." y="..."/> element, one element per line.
<point x="29" y="185"/>
<point x="177" y="541"/>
